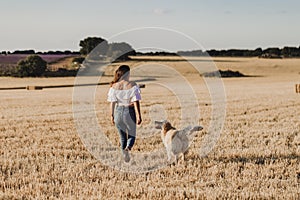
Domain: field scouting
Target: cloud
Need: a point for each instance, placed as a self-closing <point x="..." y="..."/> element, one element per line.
<point x="160" y="11"/>
<point x="282" y="12"/>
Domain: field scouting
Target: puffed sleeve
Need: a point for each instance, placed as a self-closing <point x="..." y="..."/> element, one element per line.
<point x="111" y="96"/>
<point x="136" y="94"/>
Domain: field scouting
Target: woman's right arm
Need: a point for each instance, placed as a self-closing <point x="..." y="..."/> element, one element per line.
<point x="112" y="99"/>
<point x="112" y="111"/>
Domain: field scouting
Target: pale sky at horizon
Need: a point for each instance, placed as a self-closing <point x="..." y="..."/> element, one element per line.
<point x="60" y="25"/>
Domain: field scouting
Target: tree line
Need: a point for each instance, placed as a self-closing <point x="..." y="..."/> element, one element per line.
<point x="286" y="52"/>
<point x="124" y="50"/>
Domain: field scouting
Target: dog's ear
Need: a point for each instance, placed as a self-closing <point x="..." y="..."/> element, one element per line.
<point x="167" y="126"/>
<point x="158" y="125"/>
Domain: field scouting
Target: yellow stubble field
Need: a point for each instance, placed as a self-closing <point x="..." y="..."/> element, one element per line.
<point x="256" y="156"/>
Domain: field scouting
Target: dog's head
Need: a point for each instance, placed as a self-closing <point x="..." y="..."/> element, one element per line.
<point x="164" y="125"/>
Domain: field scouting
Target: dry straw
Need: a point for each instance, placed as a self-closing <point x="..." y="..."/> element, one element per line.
<point x="297" y="87"/>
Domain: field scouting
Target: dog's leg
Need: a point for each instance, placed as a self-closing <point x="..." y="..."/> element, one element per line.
<point x="172" y="159"/>
<point x="169" y="155"/>
<point x="176" y="158"/>
<point x="180" y="158"/>
<point x="185" y="153"/>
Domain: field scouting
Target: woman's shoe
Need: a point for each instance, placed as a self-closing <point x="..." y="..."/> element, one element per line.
<point x="126" y="155"/>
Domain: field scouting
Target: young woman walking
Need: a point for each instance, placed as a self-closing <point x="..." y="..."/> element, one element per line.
<point x="124" y="96"/>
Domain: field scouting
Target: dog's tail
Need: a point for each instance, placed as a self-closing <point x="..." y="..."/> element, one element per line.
<point x="191" y="129"/>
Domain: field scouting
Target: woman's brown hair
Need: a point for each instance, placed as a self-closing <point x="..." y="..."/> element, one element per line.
<point x="120" y="73"/>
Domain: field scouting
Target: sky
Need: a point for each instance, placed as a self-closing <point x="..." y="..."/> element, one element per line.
<point x="212" y="24"/>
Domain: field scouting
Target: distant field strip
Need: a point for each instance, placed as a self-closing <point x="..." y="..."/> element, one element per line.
<point x="57" y="86"/>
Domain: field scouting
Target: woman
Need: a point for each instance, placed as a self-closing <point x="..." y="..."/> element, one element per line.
<point x="124" y="96"/>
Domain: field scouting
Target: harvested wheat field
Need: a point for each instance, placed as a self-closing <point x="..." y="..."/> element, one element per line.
<point x="256" y="156"/>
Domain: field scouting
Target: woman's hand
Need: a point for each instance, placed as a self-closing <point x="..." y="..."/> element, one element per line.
<point x="139" y="120"/>
<point x="112" y="119"/>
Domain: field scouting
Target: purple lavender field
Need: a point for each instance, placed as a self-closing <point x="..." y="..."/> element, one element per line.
<point x="13" y="59"/>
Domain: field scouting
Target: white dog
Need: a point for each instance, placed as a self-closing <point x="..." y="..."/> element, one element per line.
<point x="175" y="141"/>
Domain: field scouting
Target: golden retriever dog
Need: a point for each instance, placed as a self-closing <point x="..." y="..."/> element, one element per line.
<point x="175" y="141"/>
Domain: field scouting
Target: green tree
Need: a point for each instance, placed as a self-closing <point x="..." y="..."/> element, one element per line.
<point x="31" y="66"/>
<point x="273" y="51"/>
<point x="120" y="51"/>
<point x="290" y="52"/>
<point x="90" y="43"/>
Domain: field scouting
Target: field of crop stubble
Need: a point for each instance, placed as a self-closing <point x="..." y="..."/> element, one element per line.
<point x="257" y="155"/>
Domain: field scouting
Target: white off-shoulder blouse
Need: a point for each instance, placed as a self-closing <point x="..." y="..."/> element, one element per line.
<point x="124" y="97"/>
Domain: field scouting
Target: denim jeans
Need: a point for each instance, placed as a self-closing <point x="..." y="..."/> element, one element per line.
<point x="125" y="121"/>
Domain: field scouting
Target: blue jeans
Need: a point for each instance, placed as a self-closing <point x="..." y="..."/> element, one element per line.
<point x="125" y="121"/>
